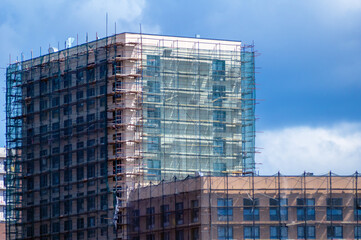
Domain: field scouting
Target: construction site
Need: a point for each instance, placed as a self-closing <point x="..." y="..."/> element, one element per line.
<point x="248" y="207"/>
<point x="88" y="125"/>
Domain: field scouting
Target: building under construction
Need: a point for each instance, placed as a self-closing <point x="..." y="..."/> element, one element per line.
<point x="88" y="124"/>
<point x="248" y="207"/>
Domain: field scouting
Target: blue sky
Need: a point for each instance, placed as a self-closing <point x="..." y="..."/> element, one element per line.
<point x="309" y="79"/>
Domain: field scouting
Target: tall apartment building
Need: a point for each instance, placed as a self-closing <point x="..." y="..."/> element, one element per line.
<point x="248" y="207"/>
<point x="2" y="192"/>
<point x="87" y="124"/>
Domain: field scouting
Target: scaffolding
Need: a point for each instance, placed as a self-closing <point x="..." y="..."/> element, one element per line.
<point x="89" y="124"/>
<point x="248" y="207"/>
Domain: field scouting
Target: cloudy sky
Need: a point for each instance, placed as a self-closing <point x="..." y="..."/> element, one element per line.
<point x="309" y="80"/>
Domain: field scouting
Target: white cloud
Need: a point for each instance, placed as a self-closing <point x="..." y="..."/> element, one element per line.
<point x="293" y="150"/>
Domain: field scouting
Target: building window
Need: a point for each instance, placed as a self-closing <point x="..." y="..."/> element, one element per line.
<point x="279" y="213"/>
<point x="150" y="220"/>
<point x="91" y="203"/>
<point x="80" y="205"/>
<point x="67" y="207"/>
<point x="218" y="95"/>
<point x="153" y="65"/>
<point x="56" y="227"/>
<point x="358" y="232"/>
<point x="195" y="211"/>
<point x="306" y="232"/>
<point x="179" y="235"/>
<point x="153" y="90"/>
<point x="150" y="237"/>
<point x="55" y="178"/>
<point x="219" y="169"/>
<point x="218" y="70"/>
<point x="305" y="209"/>
<point x="218" y="146"/>
<point x="179" y="213"/>
<point x="357" y="211"/>
<point x="251" y="232"/>
<point x="80" y="223"/>
<point x="225" y="209"/>
<point x="91" y="171"/>
<point x="153" y="144"/>
<point x="43" y="211"/>
<point x="225" y="232"/>
<point x="194" y="234"/>
<point x="56" y="209"/>
<point x="334" y="232"/>
<point x="165" y="236"/>
<point x="154" y="172"/>
<point x="104" y="202"/>
<point x="250" y="209"/>
<point x="277" y="232"/>
<point x="79" y="95"/>
<point x="165" y="215"/>
<point x="91" y="222"/>
<point x="68" y="225"/>
<point x="43" y="229"/>
<point x="135" y="220"/>
<point x="334" y="209"/>
<point x="67" y="98"/>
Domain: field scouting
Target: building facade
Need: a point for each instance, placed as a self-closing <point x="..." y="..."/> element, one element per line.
<point x="87" y="124"/>
<point x="2" y="192"/>
<point x="247" y="207"/>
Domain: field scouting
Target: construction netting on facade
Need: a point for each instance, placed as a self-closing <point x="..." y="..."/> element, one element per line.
<point x="248" y="207"/>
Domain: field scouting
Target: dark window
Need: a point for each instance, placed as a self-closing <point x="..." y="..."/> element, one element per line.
<point x="251" y="232"/>
<point x="277" y="232"/>
<point x="91" y="92"/>
<point x="218" y="70"/>
<point x="80" y="205"/>
<point x="104" y="202"/>
<point x="43" y="229"/>
<point x="68" y="225"/>
<point x="150" y="220"/>
<point x="334" y="209"/>
<point x="358" y="232"/>
<point x="79" y="95"/>
<point x="165" y="215"/>
<point x="43" y="211"/>
<point x="195" y="211"/>
<point x="79" y="173"/>
<point x="279" y="213"/>
<point x="225" y="232"/>
<point x="67" y="98"/>
<point x="225" y="209"/>
<point x="250" y="209"/>
<point x="55" y="209"/>
<point x="67" y="206"/>
<point x="80" y="223"/>
<point x="357" y="211"/>
<point x="56" y="227"/>
<point x="55" y="101"/>
<point x="334" y="232"/>
<point x="179" y="213"/>
<point x="305" y="209"/>
<point x="91" y="203"/>
<point x="308" y="232"/>
<point x="91" y="221"/>
<point x="91" y="171"/>
<point x="179" y="235"/>
<point x="55" y="178"/>
<point x="43" y="104"/>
